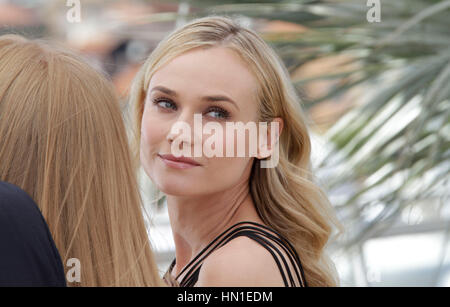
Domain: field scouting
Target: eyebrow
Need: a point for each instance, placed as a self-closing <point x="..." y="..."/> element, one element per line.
<point x="205" y="98"/>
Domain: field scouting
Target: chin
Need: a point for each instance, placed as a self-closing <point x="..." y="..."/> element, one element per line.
<point x="176" y="187"/>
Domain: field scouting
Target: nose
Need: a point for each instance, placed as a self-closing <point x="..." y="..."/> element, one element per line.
<point x="187" y="130"/>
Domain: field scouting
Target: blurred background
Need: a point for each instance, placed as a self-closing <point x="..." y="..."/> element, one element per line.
<point x="374" y="78"/>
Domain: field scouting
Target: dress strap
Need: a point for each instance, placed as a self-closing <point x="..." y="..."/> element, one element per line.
<point x="272" y="241"/>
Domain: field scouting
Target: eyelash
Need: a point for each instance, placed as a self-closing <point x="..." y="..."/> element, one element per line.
<point x="224" y="113"/>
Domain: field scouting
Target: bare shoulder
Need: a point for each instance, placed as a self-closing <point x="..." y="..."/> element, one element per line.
<point x="242" y="262"/>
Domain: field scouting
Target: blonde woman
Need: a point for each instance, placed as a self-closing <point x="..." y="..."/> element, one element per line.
<point x="64" y="143"/>
<point x="234" y="222"/>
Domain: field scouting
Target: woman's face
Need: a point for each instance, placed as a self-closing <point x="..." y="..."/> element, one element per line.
<point x="213" y="82"/>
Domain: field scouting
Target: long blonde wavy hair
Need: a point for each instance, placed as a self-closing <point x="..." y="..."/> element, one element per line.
<point x="63" y="141"/>
<point x="286" y="197"/>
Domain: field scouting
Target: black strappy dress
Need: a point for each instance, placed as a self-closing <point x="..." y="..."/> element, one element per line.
<point x="28" y="255"/>
<point x="281" y="250"/>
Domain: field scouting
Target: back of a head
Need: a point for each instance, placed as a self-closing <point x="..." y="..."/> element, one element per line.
<point x="64" y="142"/>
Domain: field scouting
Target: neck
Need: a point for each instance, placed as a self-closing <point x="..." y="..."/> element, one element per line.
<point x="196" y="221"/>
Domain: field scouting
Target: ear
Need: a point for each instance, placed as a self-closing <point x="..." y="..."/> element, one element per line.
<point x="266" y="144"/>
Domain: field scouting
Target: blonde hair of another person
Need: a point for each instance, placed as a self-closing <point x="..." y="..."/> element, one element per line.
<point x="286" y="196"/>
<point x="64" y="142"/>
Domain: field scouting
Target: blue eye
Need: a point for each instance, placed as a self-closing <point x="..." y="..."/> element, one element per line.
<point x="220" y="113"/>
<point x="164" y="103"/>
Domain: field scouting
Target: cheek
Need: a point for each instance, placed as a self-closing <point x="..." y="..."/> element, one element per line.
<point x="152" y="129"/>
<point x="240" y="143"/>
<point x="153" y="133"/>
<point x="226" y="172"/>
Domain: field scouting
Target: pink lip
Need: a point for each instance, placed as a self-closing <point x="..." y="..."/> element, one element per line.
<point x="178" y="162"/>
